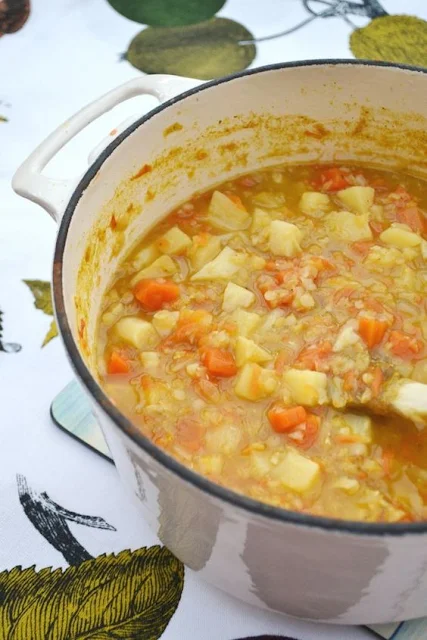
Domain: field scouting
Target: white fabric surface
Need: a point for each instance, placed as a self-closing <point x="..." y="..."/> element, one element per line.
<point x="65" y="56"/>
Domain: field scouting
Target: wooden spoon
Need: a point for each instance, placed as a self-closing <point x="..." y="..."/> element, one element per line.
<point x="400" y="397"/>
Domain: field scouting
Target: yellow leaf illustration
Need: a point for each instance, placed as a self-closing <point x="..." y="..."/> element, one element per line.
<point x="129" y="595"/>
<point x="41" y="291"/>
<point x="393" y="39"/>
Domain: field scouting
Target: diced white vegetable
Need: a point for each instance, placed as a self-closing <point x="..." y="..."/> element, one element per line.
<point x="348" y="226"/>
<point x="314" y="203"/>
<point x="248" y="351"/>
<point x="160" y="268"/>
<point x="150" y="360"/>
<point x="360" y="425"/>
<point x="210" y="465"/>
<point x="173" y="241"/>
<point x="225" y="265"/>
<point x="136" y="331"/>
<point x="260" y="464"/>
<point x="146" y="256"/>
<point x="298" y="473"/>
<point x="401" y="236"/>
<point x="123" y="394"/>
<point x="224" y="438"/>
<point x="347" y="337"/>
<point x="223" y="213"/>
<point x="236" y="297"/>
<point x="204" y="249"/>
<point x="246" y="321"/>
<point x="357" y="199"/>
<point x="284" y="238"/>
<point x="255" y="382"/>
<point x="306" y="387"/>
<point x="410" y="400"/>
<point x="165" y="321"/>
<point x="260" y="220"/>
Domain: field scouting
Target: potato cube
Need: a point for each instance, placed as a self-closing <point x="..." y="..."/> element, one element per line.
<point x="224" y="214"/>
<point x="357" y="199"/>
<point x="361" y="426"/>
<point x="173" y="241"/>
<point x="204" y="248"/>
<point x="136" y="331"/>
<point x="160" y="268"/>
<point x="306" y="387"/>
<point x="260" y="464"/>
<point x="224" y="438"/>
<point x="284" y="239"/>
<point x="224" y="266"/>
<point x="236" y="297"/>
<point x="150" y="360"/>
<point x="210" y="465"/>
<point x="297" y="473"/>
<point x="255" y="382"/>
<point x="314" y="203"/>
<point x="348" y="226"/>
<point x="146" y="256"/>
<point x="246" y="321"/>
<point x="165" y="321"/>
<point x="401" y="236"/>
<point x="248" y="351"/>
<point x="260" y="220"/>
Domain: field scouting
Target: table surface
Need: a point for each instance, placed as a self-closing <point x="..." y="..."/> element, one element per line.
<point x="66" y="54"/>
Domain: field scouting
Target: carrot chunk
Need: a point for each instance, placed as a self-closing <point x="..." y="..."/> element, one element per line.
<point x="219" y="362"/>
<point x="154" y="294"/>
<point x="333" y="179"/>
<point x="117" y="363"/>
<point x="404" y="346"/>
<point x="284" y="419"/>
<point x="372" y="330"/>
<point x="412" y="217"/>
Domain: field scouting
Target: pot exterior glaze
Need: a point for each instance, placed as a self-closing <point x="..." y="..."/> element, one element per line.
<point x="333" y="111"/>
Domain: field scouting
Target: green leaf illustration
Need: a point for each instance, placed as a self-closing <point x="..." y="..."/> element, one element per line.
<point x="208" y="50"/>
<point x="52" y="333"/>
<point x="393" y="39"/>
<point x="167" y="13"/>
<point x="131" y="595"/>
<point x="41" y="291"/>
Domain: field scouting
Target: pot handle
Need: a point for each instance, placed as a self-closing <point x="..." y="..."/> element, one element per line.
<point x="53" y="194"/>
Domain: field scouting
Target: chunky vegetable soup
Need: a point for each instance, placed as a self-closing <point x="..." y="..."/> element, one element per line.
<point x="260" y="334"/>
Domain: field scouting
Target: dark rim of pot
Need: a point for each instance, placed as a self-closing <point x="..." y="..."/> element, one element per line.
<point x="200" y="482"/>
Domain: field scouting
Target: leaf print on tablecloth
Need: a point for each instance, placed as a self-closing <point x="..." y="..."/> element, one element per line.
<point x="167" y="13"/>
<point x="392" y="39"/>
<point x="7" y="347"/>
<point x="41" y="291"/>
<point x="130" y="595"/>
<point x="13" y="15"/>
<point x="207" y="50"/>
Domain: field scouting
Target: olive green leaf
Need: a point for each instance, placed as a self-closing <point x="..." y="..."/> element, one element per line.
<point x="41" y="291"/>
<point x="52" y="333"/>
<point x="167" y="13"/>
<point x="393" y="39"/>
<point x="131" y="595"/>
<point x="207" y="50"/>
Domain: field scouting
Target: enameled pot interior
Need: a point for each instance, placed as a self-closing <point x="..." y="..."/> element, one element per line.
<point x="312" y="112"/>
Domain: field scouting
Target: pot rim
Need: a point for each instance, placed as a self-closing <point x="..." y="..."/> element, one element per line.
<point x="200" y="482"/>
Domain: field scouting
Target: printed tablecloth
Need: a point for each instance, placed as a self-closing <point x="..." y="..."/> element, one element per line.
<point x="76" y="558"/>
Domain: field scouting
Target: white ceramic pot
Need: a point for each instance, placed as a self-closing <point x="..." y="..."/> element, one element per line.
<point x="306" y="566"/>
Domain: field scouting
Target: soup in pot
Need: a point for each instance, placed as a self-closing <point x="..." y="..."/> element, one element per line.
<point x="256" y="332"/>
